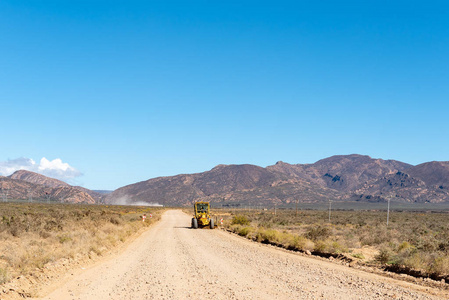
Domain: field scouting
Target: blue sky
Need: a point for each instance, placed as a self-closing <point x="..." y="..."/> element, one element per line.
<point x="124" y="91"/>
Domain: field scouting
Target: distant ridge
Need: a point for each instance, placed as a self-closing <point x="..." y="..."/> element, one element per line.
<point x="342" y="177"/>
<point x="102" y="192"/>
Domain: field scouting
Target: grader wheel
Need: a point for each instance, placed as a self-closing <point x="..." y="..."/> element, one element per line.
<point x="194" y="223"/>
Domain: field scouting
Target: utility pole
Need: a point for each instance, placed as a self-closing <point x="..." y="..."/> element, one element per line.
<point x="47" y="196"/>
<point x="330" y="209"/>
<point x="5" y="195"/>
<point x="388" y="211"/>
<point x="297" y="200"/>
<point x="30" y="196"/>
<point x="275" y="209"/>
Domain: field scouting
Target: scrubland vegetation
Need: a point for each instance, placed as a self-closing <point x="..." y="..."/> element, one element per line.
<point x="33" y="235"/>
<point x="415" y="243"/>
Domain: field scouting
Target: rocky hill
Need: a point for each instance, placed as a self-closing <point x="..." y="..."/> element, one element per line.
<point x="435" y="173"/>
<point x="428" y="182"/>
<point x="37" y="179"/>
<point x="342" y="177"/>
<point x="342" y="172"/>
<point x="40" y="179"/>
<point x="26" y="185"/>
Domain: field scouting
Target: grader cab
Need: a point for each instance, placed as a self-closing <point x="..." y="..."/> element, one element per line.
<point x="202" y="216"/>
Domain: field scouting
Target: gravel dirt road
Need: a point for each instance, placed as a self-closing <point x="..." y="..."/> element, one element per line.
<point x="172" y="261"/>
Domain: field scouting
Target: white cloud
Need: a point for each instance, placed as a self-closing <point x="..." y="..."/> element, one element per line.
<point x="11" y="165"/>
<point x="51" y="168"/>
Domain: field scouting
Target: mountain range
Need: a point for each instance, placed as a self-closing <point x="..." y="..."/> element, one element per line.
<point x="340" y="178"/>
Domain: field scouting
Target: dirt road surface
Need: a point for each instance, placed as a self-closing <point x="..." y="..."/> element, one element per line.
<point x="172" y="261"/>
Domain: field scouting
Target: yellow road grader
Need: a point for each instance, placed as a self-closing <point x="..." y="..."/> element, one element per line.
<point x="202" y="216"/>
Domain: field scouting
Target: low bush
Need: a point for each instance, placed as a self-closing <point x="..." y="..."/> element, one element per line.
<point x="3" y="276"/>
<point x="244" y="231"/>
<point x="317" y="233"/>
<point x="384" y="256"/>
<point x="267" y="236"/>
<point x="240" y="220"/>
<point x="440" y="265"/>
<point x="115" y="220"/>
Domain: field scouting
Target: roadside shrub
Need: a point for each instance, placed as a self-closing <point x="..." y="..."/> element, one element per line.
<point x="244" y="231"/>
<point x="287" y="239"/>
<point x="115" y="220"/>
<point x="64" y="238"/>
<point x="44" y="234"/>
<point x="404" y="246"/>
<point x="267" y="236"/>
<point x="265" y="224"/>
<point x="320" y="246"/>
<point x="303" y="243"/>
<point x="95" y="250"/>
<point x="319" y="232"/>
<point x="336" y="247"/>
<point x="417" y="261"/>
<point x="384" y="256"/>
<point x="440" y="266"/>
<point x="3" y="276"/>
<point x="375" y="236"/>
<point x="240" y="220"/>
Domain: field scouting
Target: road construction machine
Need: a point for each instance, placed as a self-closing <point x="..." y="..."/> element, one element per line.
<point x="202" y="216"/>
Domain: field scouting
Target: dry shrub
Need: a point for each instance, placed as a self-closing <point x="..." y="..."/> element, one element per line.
<point x="44" y="234"/>
<point x="245" y="231"/>
<point x="440" y="266"/>
<point x="375" y="236"/>
<point x="287" y="239"/>
<point x="302" y="243"/>
<point x="320" y="246"/>
<point x="294" y="241"/>
<point x="3" y="276"/>
<point x="336" y="247"/>
<point x="95" y="250"/>
<point x="267" y="236"/>
<point x="384" y="256"/>
<point x="405" y="247"/>
<point x="417" y="261"/>
<point x="240" y="220"/>
<point x="318" y="232"/>
<point x="115" y="220"/>
<point x="64" y="238"/>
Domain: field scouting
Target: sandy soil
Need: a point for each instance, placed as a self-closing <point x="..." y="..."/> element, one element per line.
<point x="172" y="261"/>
